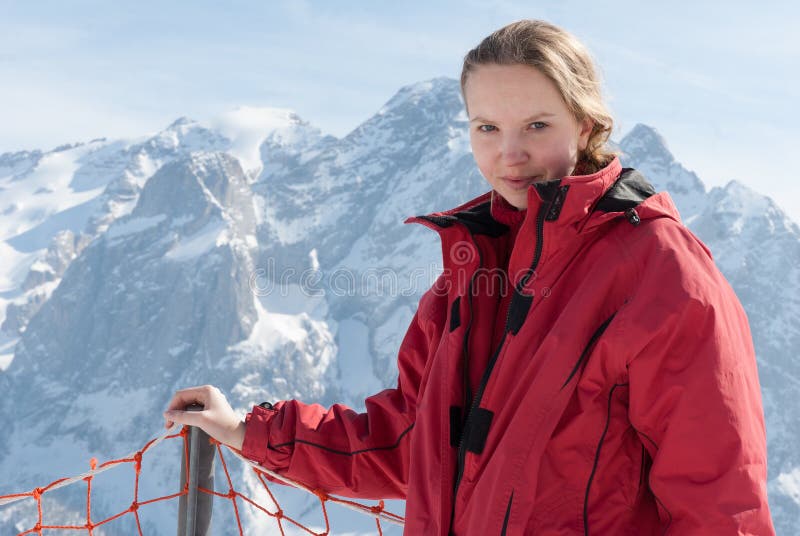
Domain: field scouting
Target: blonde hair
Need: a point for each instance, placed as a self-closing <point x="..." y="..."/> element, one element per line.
<point x="563" y="59"/>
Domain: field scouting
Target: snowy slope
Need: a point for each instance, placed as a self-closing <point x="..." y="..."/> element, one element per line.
<point x="258" y="255"/>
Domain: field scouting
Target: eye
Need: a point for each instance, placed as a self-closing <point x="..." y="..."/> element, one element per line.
<point x="486" y="128"/>
<point x="538" y="125"/>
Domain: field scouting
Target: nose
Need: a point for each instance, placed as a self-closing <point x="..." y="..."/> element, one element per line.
<point x="512" y="149"/>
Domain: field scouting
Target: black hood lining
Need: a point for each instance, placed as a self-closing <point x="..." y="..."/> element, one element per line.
<point x="477" y="219"/>
<point x="628" y="191"/>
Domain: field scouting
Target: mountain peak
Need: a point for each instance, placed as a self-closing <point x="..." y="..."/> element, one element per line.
<point x="747" y="200"/>
<point x="180" y="122"/>
<point x="434" y="102"/>
<point x="263" y="119"/>
<point x="644" y="142"/>
<point x="427" y="94"/>
<point x="248" y="128"/>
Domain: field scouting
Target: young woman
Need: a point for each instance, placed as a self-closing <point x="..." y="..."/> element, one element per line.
<point x="581" y="366"/>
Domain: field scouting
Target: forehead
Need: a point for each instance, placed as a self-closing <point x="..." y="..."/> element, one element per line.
<point x="500" y="89"/>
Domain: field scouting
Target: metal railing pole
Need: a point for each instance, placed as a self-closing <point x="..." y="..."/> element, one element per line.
<point x="194" y="509"/>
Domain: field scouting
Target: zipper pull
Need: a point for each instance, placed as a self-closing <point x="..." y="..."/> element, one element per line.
<point x="632" y="216"/>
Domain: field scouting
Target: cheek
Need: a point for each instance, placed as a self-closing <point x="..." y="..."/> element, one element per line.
<point x="482" y="152"/>
<point x="560" y="150"/>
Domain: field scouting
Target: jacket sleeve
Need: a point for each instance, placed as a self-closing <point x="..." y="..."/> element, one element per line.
<point x="695" y="398"/>
<point x="344" y="452"/>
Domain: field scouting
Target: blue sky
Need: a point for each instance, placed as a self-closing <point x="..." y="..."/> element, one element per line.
<point x="719" y="80"/>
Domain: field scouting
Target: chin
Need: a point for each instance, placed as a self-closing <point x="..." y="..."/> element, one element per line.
<point x="518" y="204"/>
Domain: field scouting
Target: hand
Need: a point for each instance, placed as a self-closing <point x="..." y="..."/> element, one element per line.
<point x="217" y="419"/>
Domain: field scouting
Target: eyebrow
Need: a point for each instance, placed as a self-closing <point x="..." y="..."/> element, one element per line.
<point x="531" y="118"/>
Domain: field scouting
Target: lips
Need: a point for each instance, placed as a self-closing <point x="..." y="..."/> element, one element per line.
<point x="519" y="183"/>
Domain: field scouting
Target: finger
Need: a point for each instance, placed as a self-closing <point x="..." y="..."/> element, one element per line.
<point x="190" y="418"/>
<point x="186" y="397"/>
<point x="168" y="423"/>
<point x="179" y="401"/>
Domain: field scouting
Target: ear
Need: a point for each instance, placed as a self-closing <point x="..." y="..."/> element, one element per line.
<point x="583" y="135"/>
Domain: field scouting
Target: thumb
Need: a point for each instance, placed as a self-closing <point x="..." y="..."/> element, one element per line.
<point x="191" y="418"/>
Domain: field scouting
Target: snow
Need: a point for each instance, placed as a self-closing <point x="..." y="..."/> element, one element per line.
<point x="44" y="192"/>
<point x="41" y="266"/>
<point x="749" y="202"/>
<point x="290" y="299"/>
<point x="6" y="349"/>
<point x="258" y="208"/>
<point x="103" y="408"/>
<point x="277" y="327"/>
<point x="13" y="268"/>
<point x="789" y="484"/>
<point x="247" y="128"/>
<point x="48" y="463"/>
<point x="147" y="167"/>
<point x="459" y="141"/>
<point x="284" y="315"/>
<point x="390" y="333"/>
<point x="355" y="360"/>
<point x="213" y="234"/>
<point x="287" y="232"/>
<point x="412" y="94"/>
<point x="179" y="349"/>
<point x="18" y="163"/>
<point x="314" y="259"/>
<point x="133" y="226"/>
<point x="72" y="219"/>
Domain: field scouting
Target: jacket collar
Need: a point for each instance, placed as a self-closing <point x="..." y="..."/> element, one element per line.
<point x="567" y="201"/>
<point x="572" y="198"/>
<point x="558" y="211"/>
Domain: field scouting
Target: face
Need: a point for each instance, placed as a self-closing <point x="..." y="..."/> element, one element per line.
<point x="520" y="129"/>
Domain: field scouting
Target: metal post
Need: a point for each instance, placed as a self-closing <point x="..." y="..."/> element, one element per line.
<point x="194" y="509"/>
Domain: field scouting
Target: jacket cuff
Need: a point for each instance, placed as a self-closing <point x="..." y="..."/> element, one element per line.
<point x="256" y="435"/>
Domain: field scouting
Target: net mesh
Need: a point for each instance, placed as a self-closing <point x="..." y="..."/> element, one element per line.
<point x="275" y="513"/>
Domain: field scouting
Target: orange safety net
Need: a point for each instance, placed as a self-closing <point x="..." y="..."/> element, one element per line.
<point x="280" y="517"/>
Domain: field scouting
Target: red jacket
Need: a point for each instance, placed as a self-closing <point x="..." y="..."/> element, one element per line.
<point x="623" y="397"/>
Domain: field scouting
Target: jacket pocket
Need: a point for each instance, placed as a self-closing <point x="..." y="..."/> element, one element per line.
<point x="589" y="346"/>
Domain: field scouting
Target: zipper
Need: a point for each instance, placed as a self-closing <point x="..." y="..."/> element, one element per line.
<point x="476" y="400"/>
<point x="468" y="329"/>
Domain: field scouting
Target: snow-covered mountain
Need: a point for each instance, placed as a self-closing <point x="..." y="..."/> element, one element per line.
<point x="259" y="255"/>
